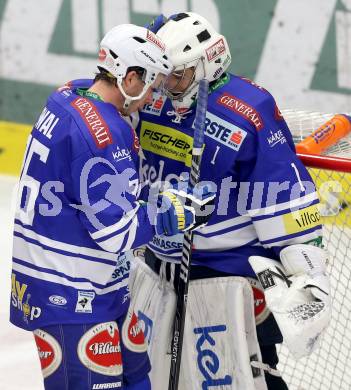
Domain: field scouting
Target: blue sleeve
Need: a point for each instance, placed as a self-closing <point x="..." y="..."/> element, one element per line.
<point x="107" y="200"/>
<point x="282" y="198"/>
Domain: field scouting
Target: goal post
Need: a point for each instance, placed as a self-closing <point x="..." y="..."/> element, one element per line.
<point x="329" y="367"/>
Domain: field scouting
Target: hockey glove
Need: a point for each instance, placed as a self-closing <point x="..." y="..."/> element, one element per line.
<point x="179" y="211"/>
<point x="298" y="294"/>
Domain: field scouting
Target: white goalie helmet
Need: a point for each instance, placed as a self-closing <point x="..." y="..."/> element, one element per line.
<point x="126" y="46"/>
<point x="193" y="42"/>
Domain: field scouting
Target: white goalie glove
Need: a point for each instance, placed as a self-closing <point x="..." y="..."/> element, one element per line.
<point x="298" y="294"/>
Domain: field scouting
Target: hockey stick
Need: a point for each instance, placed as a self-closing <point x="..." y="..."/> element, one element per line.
<point x="183" y="285"/>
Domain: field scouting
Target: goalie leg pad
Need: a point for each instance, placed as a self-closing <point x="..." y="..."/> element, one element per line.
<point x="153" y="299"/>
<point x="220" y="336"/>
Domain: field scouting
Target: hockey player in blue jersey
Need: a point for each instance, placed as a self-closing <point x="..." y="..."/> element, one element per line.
<point x="79" y="215"/>
<point x="266" y="215"/>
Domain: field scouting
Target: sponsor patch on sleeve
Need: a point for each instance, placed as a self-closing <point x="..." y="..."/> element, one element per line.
<point x="301" y="220"/>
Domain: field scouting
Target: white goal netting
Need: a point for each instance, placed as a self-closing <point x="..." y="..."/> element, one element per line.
<point x="329" y="368"/>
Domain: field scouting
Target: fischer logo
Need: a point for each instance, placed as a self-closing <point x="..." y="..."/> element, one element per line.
<point x="150" y="36"/>
<point x="94" y="121"/>
<point x="166" y="142"/>
<point x="215" y="50"/>
<point x="240" y="107"/>
<point x="224" y="132"/>
<point x="207" y="360"/>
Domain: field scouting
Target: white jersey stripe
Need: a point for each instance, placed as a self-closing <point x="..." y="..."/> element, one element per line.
<point x="126" y="218"/>
<point x="229" y="240"/>
<point x="48" y="277"/>
<point x="71" y="266"/>
<point x="296" y="203"/>
<point x="224" y="225"/>
<point x="296" y="240"/>
<point x="63" y="246"/>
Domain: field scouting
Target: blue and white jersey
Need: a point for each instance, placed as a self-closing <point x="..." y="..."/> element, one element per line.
<point x="78" y="213"/>
<point x="265" y="197"/>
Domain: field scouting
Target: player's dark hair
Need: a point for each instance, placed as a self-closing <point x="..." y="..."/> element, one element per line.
<point x="108" y="77"/>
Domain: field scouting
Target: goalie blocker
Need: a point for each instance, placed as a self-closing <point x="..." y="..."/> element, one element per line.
<point x="297" y="293"/>
<point x="220" y="343"/>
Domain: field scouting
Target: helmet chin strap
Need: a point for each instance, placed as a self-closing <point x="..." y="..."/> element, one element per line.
<point x="129" y="99"/>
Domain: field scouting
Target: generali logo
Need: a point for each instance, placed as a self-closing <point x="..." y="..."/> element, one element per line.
<point x="243" y="109"/>
<point x="215" y="50"/>
<point x="94" y="121"/>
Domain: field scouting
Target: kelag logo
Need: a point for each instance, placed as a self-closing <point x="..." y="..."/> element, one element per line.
<point x="207" y="359"/>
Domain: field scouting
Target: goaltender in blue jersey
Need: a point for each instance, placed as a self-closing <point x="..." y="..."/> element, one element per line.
<point x="267" y="199"/>
<point x="266" y="217"/>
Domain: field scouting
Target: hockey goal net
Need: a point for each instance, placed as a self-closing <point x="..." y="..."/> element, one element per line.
<point x="329" y="367"/>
